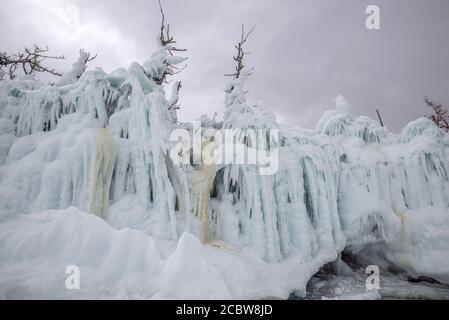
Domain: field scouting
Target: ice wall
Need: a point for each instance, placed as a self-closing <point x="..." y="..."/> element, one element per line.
<point x="291" y="213"/>
<point x="100" y="142"/>
<point x="96" y="142"/>
<point x="386" y="182"/>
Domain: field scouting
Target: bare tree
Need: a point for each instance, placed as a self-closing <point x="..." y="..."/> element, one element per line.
<point x="30" y="61"/>
<point x="167" y="41"/>
<point x="241" y="54"/>
<point x="440" y="116"/>
<point x="165" y="38"/>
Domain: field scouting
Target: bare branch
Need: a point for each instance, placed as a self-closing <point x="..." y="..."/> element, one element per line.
<point x="93" y="58"/>
<point x="241" y="54"/>
<point x="440" y="116"/>
<point x="30" y="60"/>
<point x="165" y="37"/>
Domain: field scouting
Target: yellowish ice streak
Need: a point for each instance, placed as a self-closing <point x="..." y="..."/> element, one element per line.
<point x="402" y="244"/>
<point x="201" y="182"/>
<point x="101" y="169"/>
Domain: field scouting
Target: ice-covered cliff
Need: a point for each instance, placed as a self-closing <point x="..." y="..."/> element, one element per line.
<point x="393" y="191"/>
<point x="100" y="143"/>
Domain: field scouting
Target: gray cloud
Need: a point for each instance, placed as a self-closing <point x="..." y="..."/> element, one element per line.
<point x="304" y="53"/>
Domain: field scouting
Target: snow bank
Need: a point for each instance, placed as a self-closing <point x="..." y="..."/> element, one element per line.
<point x="37" y="248"/>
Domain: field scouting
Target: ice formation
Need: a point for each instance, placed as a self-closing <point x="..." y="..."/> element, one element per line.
<point x="201" y="181"/>
<point x="99" y="143"/>
<point x="78" y="68"/>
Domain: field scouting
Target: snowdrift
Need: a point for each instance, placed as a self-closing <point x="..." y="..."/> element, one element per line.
<point x="128" y="264"/>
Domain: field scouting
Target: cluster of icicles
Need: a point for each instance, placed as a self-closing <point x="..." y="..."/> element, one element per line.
<point x="102" y="144"/>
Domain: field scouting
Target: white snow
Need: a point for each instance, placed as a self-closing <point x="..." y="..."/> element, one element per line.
<point x="130" y="264"/>
<point x="423" y="245"/>
<point x="113" y="264"/>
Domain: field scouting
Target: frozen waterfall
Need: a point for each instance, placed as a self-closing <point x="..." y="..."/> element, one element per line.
<point x="99" y="143"/>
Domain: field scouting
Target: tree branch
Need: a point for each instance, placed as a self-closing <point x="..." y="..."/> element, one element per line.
<point x="440" y="116"/>
<point x="241" y="54"/>
<point x="31" y="61"/>
<point x="166" y="40"/>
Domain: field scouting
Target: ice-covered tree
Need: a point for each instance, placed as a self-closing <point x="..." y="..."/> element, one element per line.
<point x="121" y="122"/>
<point x="164" y="62"/>
<point x="78" y="68"/>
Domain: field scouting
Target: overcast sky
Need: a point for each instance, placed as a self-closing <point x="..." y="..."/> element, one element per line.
<point x="305" y="53"/>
